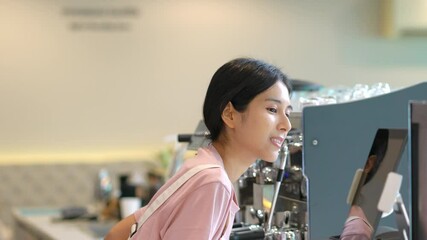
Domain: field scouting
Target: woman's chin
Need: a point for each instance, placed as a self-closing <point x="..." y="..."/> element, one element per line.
<point x="271" y="158"/>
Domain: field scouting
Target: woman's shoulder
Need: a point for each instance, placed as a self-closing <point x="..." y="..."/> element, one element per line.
<point x="216" y="175"/>
<point x="206" y="155"/>
<point x="213" y="175"/>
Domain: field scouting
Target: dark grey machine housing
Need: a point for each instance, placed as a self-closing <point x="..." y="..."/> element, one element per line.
<point x="337" y="139"/>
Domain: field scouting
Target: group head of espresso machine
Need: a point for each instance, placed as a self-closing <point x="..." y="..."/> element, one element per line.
<point x="273" y="196"/>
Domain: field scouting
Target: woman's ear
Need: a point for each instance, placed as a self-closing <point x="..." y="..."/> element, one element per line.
<point x="229" y="115"/>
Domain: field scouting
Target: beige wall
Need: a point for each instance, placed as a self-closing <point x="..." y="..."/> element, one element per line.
<point x="93" y="91"/>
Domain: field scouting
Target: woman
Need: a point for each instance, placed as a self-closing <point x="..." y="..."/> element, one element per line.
<point x="246" y="111"/>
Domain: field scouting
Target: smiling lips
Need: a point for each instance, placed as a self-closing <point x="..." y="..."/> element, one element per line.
<point x="277" y="141"/>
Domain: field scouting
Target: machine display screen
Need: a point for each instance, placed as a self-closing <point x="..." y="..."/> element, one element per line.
<point x="383" y="158"/>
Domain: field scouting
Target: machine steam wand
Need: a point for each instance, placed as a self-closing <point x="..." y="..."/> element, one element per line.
<point x="283" y="156"/>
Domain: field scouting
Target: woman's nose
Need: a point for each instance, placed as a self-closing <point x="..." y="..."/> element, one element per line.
<point x="285" y="124"/>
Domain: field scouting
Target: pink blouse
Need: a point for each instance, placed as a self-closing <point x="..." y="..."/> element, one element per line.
<point x="203" y="208"/>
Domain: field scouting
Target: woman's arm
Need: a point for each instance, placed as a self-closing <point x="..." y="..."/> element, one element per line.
<point x="357" y="226"/>
<point x="121" y="230"/>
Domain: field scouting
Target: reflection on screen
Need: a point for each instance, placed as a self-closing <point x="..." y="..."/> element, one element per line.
<point x="384" y="157"/>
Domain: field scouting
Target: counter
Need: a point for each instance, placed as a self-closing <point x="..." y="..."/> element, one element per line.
<point x="45" y="223"/>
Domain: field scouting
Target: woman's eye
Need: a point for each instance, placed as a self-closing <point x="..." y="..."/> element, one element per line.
<point x="273" y="110"/>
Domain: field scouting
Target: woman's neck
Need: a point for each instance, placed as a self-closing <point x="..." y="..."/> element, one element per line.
<point x="235" y="163"/>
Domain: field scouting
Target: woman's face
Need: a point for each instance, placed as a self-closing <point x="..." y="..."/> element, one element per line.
<point x="263" y="126"/>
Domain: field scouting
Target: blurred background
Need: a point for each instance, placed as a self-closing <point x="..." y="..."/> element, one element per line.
<point x="111" y="78"/>
<point x="92" y="82"/>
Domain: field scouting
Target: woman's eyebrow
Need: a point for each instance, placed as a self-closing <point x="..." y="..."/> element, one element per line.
<point x="289" y="107"/>
<point x="273" y="100"/>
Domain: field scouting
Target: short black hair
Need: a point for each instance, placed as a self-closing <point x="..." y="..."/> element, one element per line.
<point x="237" y="81"/>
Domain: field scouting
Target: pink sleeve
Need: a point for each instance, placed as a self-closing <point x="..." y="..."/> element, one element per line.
<point x="201" y="216"/>
<point x="356" y="229"/>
